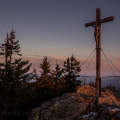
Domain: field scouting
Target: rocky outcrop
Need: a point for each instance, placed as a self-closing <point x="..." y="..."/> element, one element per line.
<point x="106" y="113"/>
<point x="113" y="90"/>
<point x="81" y="105"/>
<point x="86" y="89"/>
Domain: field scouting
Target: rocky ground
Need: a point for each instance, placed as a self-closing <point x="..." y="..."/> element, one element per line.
<point x="81" y="105"/>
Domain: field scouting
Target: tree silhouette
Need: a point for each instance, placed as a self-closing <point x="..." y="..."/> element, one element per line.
<point x="45" y="73"/>
<point x="71" y="70"/>
<point x="45" y="66"/>
<point x="10" y="47"/>
<point x="17" y="93"/>
<point x="13" y="73"/>
<point x="58" y="77"/>
<point x="57" y="73"/>
<point x="45" y="84"/>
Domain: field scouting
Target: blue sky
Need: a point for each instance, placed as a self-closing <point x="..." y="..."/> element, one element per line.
<point x="56" y="29"/>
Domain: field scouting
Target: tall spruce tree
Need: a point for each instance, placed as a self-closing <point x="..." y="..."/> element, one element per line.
<point x="45" y="83"/>
<point x="58" y="78"/>
<point x="13" y="73"/>
<point x="71" y="70"/>
<point x="45" y="68"/>
<point x="57" y="73"/>
<point x="45" y="80"/>
<point x="10" y="47"/>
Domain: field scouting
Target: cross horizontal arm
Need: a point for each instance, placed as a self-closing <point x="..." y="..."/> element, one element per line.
<point x="111" y="18"/>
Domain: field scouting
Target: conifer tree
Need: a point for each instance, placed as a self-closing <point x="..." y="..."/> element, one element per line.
<point x="71" y="66"/>
<point x="45" y="79"/>
<point x="10" y="47"/>
<point x="13" y="73"/>
<point x="58" y="78"/>
<point x="45" y="68"/>
<point x="45" y="83"/>
<point x="71" y="70"/>
<point x="57" y="73"/>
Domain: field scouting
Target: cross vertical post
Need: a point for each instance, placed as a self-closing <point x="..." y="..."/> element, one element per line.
<point x="98" y="53"/>
<point x="97" y="34"/>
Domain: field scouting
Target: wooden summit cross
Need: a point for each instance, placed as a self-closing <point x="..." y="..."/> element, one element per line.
<point x="97" y="34"/>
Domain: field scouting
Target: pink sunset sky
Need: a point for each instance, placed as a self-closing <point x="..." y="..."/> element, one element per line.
<point x="56" y="29"/>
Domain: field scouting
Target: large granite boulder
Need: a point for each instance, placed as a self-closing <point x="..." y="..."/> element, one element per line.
<point x="66" y="107"/>
<point x="81" y="105"/>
